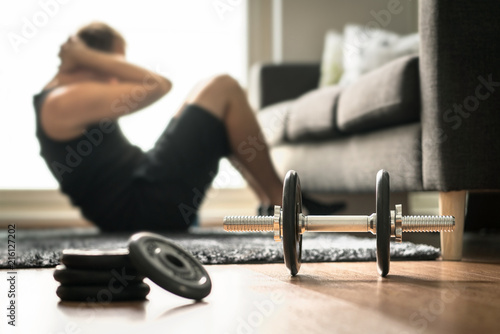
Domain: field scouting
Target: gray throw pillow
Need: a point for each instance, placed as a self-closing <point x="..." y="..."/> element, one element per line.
<point x="312" y="116"/>
<point x="387" y="96"/>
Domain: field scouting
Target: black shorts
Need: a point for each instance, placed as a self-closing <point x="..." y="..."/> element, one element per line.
<point x="170" y="182"/>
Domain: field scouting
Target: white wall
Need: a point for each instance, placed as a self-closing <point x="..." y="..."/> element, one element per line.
<point x="303" y="24"/>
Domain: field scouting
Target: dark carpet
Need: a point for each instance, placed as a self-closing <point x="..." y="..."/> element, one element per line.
<point x="40" y="249"/>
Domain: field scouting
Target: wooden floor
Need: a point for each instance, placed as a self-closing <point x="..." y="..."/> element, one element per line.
<point x="416" y="297"/>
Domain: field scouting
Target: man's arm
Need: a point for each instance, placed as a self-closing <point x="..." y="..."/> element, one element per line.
<point x="80" y="104"/>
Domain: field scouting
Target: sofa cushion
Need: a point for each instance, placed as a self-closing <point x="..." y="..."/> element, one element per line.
<point x="272" y="121"/>
<point x="387" y="96"/>
<point x="349" y="164"/>
<point x="312" y="116"/>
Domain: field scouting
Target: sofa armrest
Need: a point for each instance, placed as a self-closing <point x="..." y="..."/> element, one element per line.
<point x="460" y="87"/>
<point x="273" y="83"/>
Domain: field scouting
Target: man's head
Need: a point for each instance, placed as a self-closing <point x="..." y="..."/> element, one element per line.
<point x="102" y="37"/>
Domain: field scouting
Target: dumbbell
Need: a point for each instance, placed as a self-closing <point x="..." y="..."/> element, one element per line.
<point x="288" y="223"/>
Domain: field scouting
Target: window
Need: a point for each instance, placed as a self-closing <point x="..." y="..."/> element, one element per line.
<point x="184" y="40"/>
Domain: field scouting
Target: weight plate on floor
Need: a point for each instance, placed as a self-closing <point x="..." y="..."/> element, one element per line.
<point x="383" y="223"/>
<point x="169" y="266"/>
<point x="103" y="293"/>
<point x="96" y="259"/>
<point x="68" y="276"/>
<point x="292" y="208"/>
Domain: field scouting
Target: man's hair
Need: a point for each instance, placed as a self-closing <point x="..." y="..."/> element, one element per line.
<point x="100" y="36"/>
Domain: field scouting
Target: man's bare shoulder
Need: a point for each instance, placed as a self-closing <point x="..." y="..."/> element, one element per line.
<point x="66" y="98"/>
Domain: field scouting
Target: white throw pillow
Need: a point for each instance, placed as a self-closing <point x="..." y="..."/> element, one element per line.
<point x="365" y="49"/>
<point x="331" y="63"/>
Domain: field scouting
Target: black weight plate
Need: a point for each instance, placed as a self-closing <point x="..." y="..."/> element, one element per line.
<point x="292" y="207"/>
<point x="103" y="293"/>
<point x="383" y="223"/>
<point x="96" y="259"/>
<point x="169" y="266"/>
<point x="68" y="276"/>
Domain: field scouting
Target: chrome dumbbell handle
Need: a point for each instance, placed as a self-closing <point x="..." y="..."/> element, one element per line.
<point x="399" y="223"/>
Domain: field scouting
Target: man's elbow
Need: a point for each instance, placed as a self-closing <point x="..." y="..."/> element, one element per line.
<point x="165" y="85"/>
<point x="157" y="85"/>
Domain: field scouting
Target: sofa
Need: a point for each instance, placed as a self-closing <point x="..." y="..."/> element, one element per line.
<point x="431" y="119"/>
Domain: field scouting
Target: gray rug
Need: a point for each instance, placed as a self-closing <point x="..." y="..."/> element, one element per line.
<point x="40" y="249"/>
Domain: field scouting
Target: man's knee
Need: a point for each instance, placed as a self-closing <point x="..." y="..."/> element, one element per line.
<point x="216" y="94"/>
<point x="224" y="81"/>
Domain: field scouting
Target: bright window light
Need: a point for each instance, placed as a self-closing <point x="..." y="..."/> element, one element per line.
<point x="186" y="41"/>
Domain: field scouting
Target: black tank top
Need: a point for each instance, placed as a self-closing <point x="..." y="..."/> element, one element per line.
<point x="96" y="169"/>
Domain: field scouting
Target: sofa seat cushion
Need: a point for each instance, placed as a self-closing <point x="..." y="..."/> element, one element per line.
<point x="349" y="164"/>
<point x="312" y="116"/>
<point x="387" y="96"/>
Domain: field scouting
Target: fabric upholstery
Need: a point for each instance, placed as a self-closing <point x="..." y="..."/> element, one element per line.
<point x="460" y="83"/>
<point x="312" y="116"/>
<point x="387" y="96"/>
<point x="272" y="121"/>
<point x="350" y="164"/>
<point x="276" y="83"/>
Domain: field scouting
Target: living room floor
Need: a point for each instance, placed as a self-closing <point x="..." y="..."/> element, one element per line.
<point x="416" y="297"/>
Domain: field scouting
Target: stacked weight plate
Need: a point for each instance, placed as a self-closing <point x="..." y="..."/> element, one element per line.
<point x="117" y="275"/>
<point x="99" y="276"/>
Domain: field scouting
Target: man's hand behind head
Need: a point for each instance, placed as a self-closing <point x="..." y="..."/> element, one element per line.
<point x="70" y="52"/>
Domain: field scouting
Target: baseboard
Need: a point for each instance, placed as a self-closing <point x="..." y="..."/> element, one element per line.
<point x="38" y="209"/>
<point x="50" y="209"/>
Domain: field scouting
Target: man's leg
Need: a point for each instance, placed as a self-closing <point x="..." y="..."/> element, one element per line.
<point x="225" y="99"/>
<point x="261" y="195"/>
